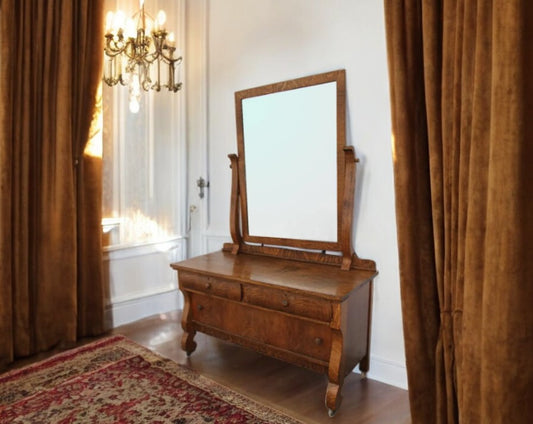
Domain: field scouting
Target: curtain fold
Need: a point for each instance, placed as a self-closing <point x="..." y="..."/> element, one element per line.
<point x="50" y="239"/>
<point x="461" y="103"/>
<point x="88" y="61"/>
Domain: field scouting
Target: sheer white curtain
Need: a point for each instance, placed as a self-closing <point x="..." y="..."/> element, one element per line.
<point x="143" y="155"/>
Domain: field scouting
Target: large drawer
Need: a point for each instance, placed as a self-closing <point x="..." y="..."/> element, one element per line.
<point x="294" y="334"/>
<point x="293" y="303"/>
<point x="210" y="285"/>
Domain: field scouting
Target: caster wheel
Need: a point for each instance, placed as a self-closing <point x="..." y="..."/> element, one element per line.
<point x="331" y="413"/>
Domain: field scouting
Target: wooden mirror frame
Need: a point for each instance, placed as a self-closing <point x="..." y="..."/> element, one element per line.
<point x="312" y="250"/>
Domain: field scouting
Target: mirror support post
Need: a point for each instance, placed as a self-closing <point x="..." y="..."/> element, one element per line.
<point x="234" y="221"/>
<point x="347" y="210"/>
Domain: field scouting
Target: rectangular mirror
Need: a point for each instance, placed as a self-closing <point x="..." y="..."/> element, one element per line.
<point x="290" y="138"/>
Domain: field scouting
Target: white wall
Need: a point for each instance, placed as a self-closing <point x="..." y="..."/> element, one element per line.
<point x="251" y="43"/>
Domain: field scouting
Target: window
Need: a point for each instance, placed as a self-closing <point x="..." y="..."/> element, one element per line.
<point x="143" y="157"/>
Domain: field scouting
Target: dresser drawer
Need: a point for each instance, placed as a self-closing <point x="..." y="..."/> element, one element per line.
<point x="292" y="303"/>
<point x="269" y="328"/>
<point x="210" y="285"/>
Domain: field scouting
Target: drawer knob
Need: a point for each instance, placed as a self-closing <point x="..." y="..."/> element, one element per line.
<point x="200" y="307"/>
<point x="207" y="286"/>
<point x="318" y="341"/>
<point x="285" y="302"/>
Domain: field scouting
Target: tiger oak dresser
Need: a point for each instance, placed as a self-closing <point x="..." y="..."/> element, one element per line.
<point x="301" y="300"/>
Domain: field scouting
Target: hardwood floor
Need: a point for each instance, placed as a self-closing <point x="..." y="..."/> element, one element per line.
<point x="293" y="390"/>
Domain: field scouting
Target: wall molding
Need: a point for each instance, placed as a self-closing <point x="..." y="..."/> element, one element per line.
<point x="387" y="371"/>
<point x="142" y="249"/>
<point x="134" y="309"/>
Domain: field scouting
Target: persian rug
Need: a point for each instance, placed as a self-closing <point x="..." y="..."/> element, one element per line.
<point x="115" y="380"/>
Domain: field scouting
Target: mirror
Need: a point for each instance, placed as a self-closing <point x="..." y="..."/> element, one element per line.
<point x="291" y="137"/>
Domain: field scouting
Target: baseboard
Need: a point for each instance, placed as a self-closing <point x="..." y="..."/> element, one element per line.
<point x="124" y="312"/>
<point x="389" y="372"/>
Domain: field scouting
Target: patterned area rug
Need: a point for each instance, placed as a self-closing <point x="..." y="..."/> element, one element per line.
<point x="115" y="380"/>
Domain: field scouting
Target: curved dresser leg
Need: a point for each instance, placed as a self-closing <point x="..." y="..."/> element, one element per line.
<point x="187" y="339"/>
<point x="333" y="398"/>
<point x="335" y="372"/>
<point x="364" y="366"/>
<point x="187" y="342"/>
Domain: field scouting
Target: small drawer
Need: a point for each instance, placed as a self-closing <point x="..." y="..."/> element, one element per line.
<point x="210" y="285"/>
<point x="292" y="303"/>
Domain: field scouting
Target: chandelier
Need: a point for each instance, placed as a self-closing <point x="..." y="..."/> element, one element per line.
<point x="140" y="54"/>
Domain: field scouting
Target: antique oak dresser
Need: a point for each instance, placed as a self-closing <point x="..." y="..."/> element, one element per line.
<point x="298" y="298"/>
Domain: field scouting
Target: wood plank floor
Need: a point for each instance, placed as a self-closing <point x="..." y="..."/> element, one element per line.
<point x="293" y="390"/>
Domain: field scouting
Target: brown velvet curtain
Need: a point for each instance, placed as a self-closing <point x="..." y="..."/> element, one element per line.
<point x="462" y="115"/>
<point x="51" y="284"/>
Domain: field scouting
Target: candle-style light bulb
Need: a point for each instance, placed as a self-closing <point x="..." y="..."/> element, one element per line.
<point x="109" y="21"/>
<point x="171" y="39"/>
<point x="161" y="19"/>
<point x="118" y="20"/>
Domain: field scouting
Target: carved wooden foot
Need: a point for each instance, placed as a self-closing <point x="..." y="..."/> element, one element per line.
<point x="364" y="366"/>
<point x="187" y="342"/>
<point x="333" y="398"/>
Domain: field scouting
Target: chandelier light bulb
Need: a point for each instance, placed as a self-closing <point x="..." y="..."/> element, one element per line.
<point x="118" y="21"/>
<point x="109" y="18"/>
<point x="171" y="39"/>
<point x="161" y="19"/>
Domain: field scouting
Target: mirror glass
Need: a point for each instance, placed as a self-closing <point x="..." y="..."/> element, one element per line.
<point x="291" y="164"/>
<point x="289" y="144"/>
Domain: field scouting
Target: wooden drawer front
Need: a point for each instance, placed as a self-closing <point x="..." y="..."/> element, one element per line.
<point x="280" y="300"/>
<point x="268" y="327"/>
<point x="210" y="285"/>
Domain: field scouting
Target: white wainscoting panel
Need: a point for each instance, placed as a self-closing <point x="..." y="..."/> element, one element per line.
<point x="140" y="280"/>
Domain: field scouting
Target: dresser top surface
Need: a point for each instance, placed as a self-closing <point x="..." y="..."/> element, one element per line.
<point x="318" y="279"/>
